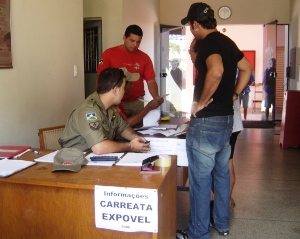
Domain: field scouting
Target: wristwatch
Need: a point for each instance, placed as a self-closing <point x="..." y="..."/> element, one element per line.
<point x="236" y="94"/>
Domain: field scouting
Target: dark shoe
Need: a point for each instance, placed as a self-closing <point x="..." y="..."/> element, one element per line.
<point x="222" y="233"/>
<point x="181" y="234"/>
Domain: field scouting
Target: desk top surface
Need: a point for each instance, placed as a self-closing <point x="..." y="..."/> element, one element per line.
<point x="87" y="177"/>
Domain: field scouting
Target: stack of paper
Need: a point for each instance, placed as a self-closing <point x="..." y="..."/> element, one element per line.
<point x="11" y="166"/>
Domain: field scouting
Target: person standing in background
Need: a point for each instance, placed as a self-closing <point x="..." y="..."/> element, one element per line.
<point x="207" y="140"/>
<point x="136" y="61"/>
<point x="237" y="128"/>
<point x="176" y="73"/>
<point x="245" y="95"/>
<point x="269" y="85"/>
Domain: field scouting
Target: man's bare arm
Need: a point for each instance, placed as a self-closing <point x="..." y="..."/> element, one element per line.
<point x="212" y="80"/>
<point x="245" y="70"/>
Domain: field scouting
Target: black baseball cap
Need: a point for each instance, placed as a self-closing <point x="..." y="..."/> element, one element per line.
<point x="197" y="12"/>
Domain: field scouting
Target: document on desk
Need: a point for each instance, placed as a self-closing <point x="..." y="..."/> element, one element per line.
<point x="48" y="158"/>
<point x="11" y="166"/>
<point x="153" y="131"/>
<point x="134" y="159"/>
<point x="169" y="146"/>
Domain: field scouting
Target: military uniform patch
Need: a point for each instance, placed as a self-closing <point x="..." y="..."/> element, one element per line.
<point x="94" y="125"/>
<point x="91" y="116"/>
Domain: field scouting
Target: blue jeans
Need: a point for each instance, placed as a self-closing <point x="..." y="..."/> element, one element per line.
<point x="208" y="151"/>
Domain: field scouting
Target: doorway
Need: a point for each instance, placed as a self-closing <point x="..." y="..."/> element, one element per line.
<point x="92" y="34"/>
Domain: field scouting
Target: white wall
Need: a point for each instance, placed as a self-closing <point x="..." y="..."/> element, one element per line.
<point x="243" y="11"/>
<point x="40" y="90"/>
<point x="111" y="12"/>
<point x="248" y="37"/>
<point x="118" y="14"/>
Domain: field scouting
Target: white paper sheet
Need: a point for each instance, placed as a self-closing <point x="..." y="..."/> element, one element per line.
<point x="169" y="146"/>
<point x="11" y="166"/>
<point x="134" y="159"/>
<point x="48" y="158"/>
<point x="152" y="118"/>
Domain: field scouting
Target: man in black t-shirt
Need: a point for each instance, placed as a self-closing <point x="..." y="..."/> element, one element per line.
<point x="207" y="140"/>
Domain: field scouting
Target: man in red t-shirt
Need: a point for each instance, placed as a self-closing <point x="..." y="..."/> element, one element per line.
<point x="128" y="55"/>
<point x="137" y="119"/>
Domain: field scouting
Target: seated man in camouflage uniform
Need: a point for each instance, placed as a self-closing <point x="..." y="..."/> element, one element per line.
<point x="96" y="122"/>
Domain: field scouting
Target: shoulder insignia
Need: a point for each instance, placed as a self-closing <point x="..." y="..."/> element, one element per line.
<point x="94" y="125"/>
<point x="91" y="116"/>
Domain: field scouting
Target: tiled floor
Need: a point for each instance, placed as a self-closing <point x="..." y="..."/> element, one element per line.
<point x="267" y="190"/>
<point x="260" y="115"/>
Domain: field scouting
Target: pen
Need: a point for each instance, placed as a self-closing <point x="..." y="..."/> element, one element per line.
<point x="36" y="152"/>
<point x="118" y="159"/>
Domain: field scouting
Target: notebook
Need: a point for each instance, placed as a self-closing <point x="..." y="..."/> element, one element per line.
<point x="11" y="151"/>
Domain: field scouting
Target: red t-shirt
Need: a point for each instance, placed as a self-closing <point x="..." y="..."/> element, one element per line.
<point x="137" y="61"/>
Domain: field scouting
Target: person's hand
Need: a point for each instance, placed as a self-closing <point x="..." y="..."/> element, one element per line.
<point x="197" y="107"/>
<point x="153" y="104"/>
<point x="138" y="145"/>
<point x="234" y="98"/>
<point x="159" y="100"/>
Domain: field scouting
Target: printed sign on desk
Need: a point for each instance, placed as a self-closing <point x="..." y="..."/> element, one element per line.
<point x="126" y="209"/>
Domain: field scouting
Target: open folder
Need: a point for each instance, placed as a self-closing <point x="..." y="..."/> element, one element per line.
<point x="7" y="151"/>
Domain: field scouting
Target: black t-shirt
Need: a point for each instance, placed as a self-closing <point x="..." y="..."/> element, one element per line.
<point x="217" y="43"/>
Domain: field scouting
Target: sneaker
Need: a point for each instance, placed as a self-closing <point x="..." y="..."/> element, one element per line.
<point x="181" y="234"/>
<point x="222" y="233"/>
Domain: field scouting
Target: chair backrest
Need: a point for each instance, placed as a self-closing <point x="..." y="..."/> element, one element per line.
<point x="49" y="137"/>
<point x="258" y="92"/>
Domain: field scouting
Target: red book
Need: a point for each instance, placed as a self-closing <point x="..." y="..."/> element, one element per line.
<point x="11" y="151"/>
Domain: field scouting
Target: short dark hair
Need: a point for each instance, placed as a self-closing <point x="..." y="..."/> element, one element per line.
<point x="133" y="29"/>
<point x="109" y="78"/>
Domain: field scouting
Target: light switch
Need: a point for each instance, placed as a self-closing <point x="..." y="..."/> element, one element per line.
<point x="75" y="70"/>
